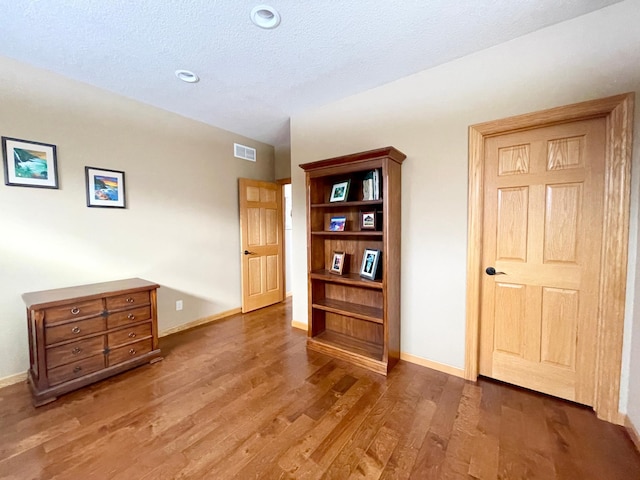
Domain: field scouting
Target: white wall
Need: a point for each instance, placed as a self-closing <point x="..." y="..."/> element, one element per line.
<point x="427" y="116"/>
<point x="288" y="237"/>
<point x="181" y="225"/>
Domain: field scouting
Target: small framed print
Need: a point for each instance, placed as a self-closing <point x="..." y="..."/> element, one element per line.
<point x="29" y="164"/>
<point x="105" y="188"/>
<point x="337" y="263"/>
<point x="368" y="220"/>
<point x="339" y="191"/>
<point x="337" y="224"/>
<point x="369" y="268"/>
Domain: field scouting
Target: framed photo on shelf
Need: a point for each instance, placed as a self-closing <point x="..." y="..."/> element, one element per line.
<point x="29" y="164"/>
<point x="368" y="220"/>
<point x="339" y="191"/>
<point x="337" y="224"/>
<point x="337" y="263"/>
<point x="105" y="188"/>
<point x="369" y="267"/>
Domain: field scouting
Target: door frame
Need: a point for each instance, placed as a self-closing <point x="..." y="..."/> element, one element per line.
<point x="618" y="112"/>
<point x="282" y="182"/>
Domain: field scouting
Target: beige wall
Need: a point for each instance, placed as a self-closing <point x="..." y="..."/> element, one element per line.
<point x="427" y="116"/>
<point x="181" y="226"/>
<point x="283" y="161"/>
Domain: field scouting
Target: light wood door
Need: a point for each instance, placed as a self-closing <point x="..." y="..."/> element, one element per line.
<point x="543" y="217"/>
<point x="261" y="233"/>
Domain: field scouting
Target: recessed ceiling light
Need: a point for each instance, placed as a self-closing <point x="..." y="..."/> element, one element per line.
<point x="187" y="76"/>
<point x="265" y="16"/>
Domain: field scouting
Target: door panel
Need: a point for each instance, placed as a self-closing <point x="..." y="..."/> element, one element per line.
<point x="561" y="226"/>
<point x="254" y="234"/>
<point x="513" y="210"/>
<point x="543" y="212"/>
<point x="273" y="263"/>
<point x="261" y="236"/>
<point x="271" y="228"/>
<point x="559" y="327"/>
<point x="510" y="300"/>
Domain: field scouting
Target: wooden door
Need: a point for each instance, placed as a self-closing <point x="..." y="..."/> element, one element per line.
<point x="543" y="224"/>
<point x="261" y="242"/>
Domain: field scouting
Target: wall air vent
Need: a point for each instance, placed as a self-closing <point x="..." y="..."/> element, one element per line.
<point x="244" y="152"/>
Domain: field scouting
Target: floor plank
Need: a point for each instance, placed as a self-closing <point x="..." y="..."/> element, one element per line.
<point x="243" y="398"/>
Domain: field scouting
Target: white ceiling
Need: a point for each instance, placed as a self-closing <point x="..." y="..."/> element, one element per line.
<point x="253" y="80"/>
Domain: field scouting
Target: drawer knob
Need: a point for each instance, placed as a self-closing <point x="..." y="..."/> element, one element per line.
<point x="131" y="316"/>
<point x="76" y="350"/>
<point x="130" y="300"/>
<point x="132" y="351"/>
<point x="75" y="330"/>
<point x="77" y="369"/>
<point x="132" y="335"/>
<point x="75" y="311"/>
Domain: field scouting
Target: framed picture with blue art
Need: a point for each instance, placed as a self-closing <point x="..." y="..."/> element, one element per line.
<point x="105" y="188"/>
<point x="29" y="164"/>
<point x="369" y="268"/>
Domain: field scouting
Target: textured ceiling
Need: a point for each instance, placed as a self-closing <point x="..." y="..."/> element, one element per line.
<point x="253" y="80"/>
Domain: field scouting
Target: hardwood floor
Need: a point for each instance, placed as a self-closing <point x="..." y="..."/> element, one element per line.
<point x="242" y="398"/>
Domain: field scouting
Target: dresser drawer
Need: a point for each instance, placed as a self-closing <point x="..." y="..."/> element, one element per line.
<point x="128" y="335"/>
<point x="128" y="316"/>
<point x="88" y="308"/>
<point x="73" y="330"/>
<point x="129" y="352"/>
<point x="76" y="369"/>
<point x="72" y="352"/>
<point x="128" y="300"/>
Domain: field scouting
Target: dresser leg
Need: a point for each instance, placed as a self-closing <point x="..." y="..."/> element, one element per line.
<point x="39" y="403"/>
<point x="157" y="359"/>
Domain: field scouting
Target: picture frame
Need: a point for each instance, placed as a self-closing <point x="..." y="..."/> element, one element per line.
<point x="105" y="188"/>
<point x="370" y="259"/>
<point x="337" y="224"/>
<point x="29" y="164"/>
<point x="368" y="220"/>
<point x="340" y="191"/>
<point x="337" y="263"/>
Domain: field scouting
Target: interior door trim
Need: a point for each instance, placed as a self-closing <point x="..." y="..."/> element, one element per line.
<point x="618" y="112"/>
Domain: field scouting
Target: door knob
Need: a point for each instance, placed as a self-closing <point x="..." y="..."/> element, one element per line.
<point x="247" y="252"/>
<point x="492" y="271"/>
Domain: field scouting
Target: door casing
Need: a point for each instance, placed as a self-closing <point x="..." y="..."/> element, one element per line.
<point x="618" y="112"/>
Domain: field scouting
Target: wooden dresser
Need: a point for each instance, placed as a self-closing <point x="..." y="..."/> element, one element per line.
<point x="80" y="335"/>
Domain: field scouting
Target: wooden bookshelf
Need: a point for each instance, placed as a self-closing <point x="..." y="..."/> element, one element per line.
<point x="351" y="317"/>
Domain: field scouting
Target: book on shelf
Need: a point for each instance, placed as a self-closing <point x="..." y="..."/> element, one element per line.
<point x="376" y="184"/>
<point x="371" y="185"/>
<point x="367" y="189"/>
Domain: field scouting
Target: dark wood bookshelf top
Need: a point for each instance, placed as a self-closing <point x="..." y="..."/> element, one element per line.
<point x="377" y="154"/>
<point x="355" y="310"/>
<point x="353" y="279"/>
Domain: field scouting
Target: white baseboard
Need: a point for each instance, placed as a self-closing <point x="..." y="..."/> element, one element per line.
<point x="201" y="321"/>
<point x="11" y="379"/>
<point x="441" y="367"/>
<point x="633" y="431"/>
